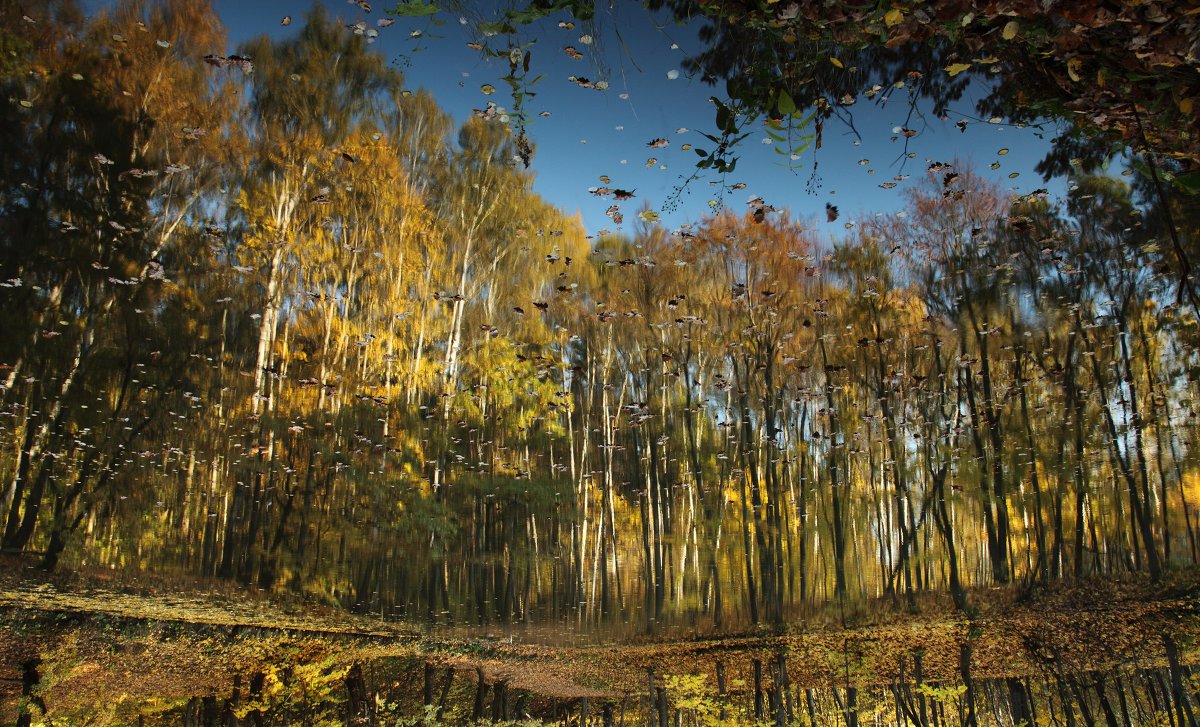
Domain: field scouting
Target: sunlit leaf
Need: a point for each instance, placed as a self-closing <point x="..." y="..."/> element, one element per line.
<point x="1074" y="65"/>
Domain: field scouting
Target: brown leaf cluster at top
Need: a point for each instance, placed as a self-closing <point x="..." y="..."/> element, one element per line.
<point x="1092" y="63"/>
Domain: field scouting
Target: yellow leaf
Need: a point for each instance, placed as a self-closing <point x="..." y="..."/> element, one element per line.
<point x="1185" y="105"/>
<point x="1010" y="30"/>
<point x="836" y="62"/>
<point x="1100" y="78"/>
<point x="956" y="68"/>
<point x="893" y="17"/>
<point x="1073" y="66"/>
<point x="648" y="216"/>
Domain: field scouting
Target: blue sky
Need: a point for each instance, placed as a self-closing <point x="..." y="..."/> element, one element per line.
<point x="590" y="132"/>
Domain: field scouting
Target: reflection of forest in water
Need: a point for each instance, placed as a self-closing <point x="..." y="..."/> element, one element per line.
<point x="372" y="365"/>
<point x="273" y="320"/>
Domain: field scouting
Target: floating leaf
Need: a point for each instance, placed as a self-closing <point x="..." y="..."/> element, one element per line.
<point x="1188" y="183"/>
<point x="787" y="105"/>
<point x="893" y="17"/>
<point x="836" y="62"/>
<point x="956" y="68"/>
<point x="488" y="89"/>
<point x="1010" y="30"/>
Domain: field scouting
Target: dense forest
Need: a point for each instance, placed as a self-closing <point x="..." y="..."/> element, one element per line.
<point x="273" y="317"/>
